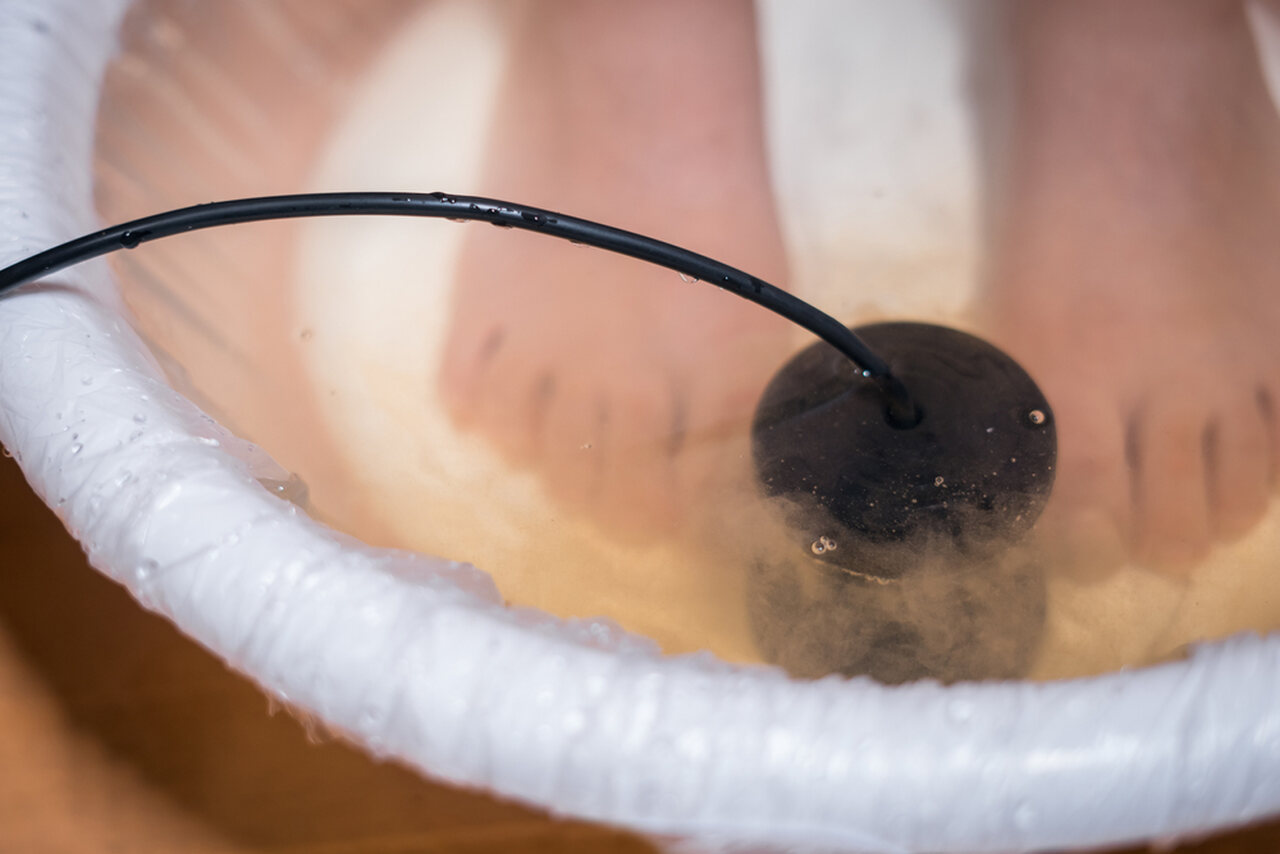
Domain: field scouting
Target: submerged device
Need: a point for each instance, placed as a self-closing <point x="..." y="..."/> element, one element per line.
<point x="907" y="532"/>
<point x="905" y="460"/>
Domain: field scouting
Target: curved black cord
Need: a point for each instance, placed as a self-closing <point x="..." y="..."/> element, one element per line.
<point x="506" y="214"/>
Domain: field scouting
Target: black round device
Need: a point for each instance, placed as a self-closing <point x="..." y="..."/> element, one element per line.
<point x="975" y="465"/>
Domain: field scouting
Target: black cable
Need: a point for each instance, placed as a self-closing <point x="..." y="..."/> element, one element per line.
<point x="506" y="214"/>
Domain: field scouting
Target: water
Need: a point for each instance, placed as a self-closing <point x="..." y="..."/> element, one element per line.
<point x="565" y="524"/>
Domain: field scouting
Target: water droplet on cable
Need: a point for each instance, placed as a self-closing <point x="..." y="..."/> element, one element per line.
<point x="685" y="277"/>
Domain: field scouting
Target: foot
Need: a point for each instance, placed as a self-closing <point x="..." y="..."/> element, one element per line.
<point x="1135" y="267"/>
<point x="613" y="379"/>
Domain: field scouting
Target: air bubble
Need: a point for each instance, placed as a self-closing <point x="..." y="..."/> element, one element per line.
<point x="939" y="481"/>
<point x="307" y="334"/>
<point x="1037" y="417"/>
<point x="823" y="545"/>
<point x="76" y="448"/>
<point x="139" y="418"/>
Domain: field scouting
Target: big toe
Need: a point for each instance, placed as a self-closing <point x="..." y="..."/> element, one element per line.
<point x="1238" y="458"/>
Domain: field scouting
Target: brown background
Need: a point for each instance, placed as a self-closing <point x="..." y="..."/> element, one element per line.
<point x="119" y="735"/>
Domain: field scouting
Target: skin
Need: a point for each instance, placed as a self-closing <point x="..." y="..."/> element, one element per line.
<point x="1133" y="261"/>
<point x="1132" y="251"/>
<point x="612" y="378"/>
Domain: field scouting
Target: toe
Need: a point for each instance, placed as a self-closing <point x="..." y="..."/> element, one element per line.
<point x="578" y="438"/>
<point x="508" y="404"/>
<point x="469" y="356"/>
<point x="1238" y="460"/>
<point x="1087" y="522"/>
<point x="1171" y="488"/>
<point x="526" y="432"/>
<point x="638" y="496"/>
<point x="1266" y="398"/>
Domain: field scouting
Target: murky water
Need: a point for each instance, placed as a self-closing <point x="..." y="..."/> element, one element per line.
<point x="633" y="498"/>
